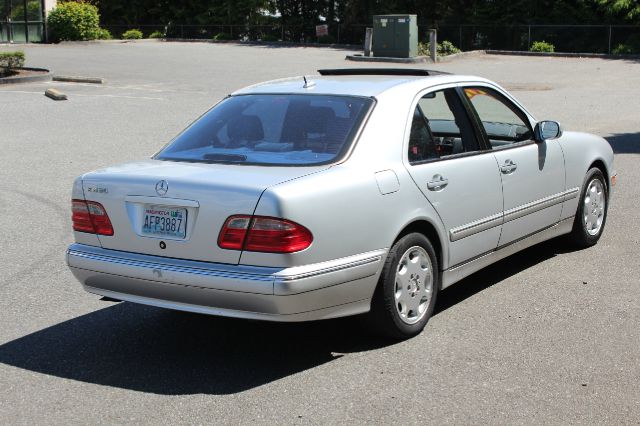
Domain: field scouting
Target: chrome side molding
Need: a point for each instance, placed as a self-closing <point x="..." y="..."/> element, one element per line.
<point x="458" y="272"/>
<point x="498" y="219"/>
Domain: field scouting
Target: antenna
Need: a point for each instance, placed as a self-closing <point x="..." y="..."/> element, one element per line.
<point x="307" y="84"/>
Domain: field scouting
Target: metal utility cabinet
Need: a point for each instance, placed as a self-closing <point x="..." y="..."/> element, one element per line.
<point x="395" y="36"/>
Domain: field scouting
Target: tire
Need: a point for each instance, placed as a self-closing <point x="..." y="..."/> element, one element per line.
<point x="406" y="293"/>
<point x="591" y="215"/>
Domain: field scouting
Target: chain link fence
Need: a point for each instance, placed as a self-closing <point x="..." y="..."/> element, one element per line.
<point x="565" y="38"/>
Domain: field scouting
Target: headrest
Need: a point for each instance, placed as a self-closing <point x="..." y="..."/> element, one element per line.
<point x="245" y="127"/>
<point x="318" y="118"/>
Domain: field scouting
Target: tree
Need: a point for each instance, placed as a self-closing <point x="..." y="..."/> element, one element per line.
<point x="627" y="9"/>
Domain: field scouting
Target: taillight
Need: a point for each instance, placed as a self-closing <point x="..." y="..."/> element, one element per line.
<point x="264" y="234"/>
<point x="91" y="217"/>
<point x="234" y="232"/>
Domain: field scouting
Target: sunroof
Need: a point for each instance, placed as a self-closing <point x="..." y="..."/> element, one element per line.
<point x="380" y="71"/>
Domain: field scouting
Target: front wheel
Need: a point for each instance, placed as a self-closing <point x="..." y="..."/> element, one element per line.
<point x="592" y="210"/>
<point x="406" y="294"/>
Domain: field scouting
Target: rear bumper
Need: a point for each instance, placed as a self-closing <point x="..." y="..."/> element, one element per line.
<point x="324" y="290"/>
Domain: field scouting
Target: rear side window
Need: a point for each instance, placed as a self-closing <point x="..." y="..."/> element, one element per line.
<point x="440" y="127"/>
<point x="271" y="130"/>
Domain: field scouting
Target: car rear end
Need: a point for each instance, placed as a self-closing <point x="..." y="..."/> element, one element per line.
<point x="171" y="231"/>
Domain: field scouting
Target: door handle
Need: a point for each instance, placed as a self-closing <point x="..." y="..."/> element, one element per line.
<point x="508" y="167"/>
<point x="438" y="183"/>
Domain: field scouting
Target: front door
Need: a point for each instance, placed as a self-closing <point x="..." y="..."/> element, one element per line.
<point x="533" y="179"/>
<point x="460" y="180"/>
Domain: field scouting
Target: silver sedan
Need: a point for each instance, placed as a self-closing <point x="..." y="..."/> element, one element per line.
<point x="356" y="191"/>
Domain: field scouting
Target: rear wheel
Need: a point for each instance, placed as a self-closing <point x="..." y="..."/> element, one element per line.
<point x="592" y="211"/>
<point x="406" y="294"/>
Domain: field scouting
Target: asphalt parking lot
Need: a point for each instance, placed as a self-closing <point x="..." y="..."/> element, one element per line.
<point x="546" y="336"/>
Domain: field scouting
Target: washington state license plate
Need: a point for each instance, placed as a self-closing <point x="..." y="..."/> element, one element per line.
<point x="164" y="221"/>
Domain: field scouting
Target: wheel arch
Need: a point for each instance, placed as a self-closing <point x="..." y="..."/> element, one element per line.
<point x="429" y="230"/>
<point x="599" y="164"/>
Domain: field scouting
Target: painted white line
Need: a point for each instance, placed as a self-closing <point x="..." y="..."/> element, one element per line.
<point x="124" y="97"/>
<point x="142" y="87"/>
<point x="87" y="96"/>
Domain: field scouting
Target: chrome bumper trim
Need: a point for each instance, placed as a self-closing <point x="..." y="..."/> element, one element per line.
<point x="168" y="265"/>
<point x="292" y="276"/>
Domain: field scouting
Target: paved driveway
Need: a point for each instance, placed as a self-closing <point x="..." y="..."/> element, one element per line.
<point x="547" y="335"/>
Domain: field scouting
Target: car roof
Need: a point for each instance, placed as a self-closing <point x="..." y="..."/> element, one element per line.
<point x="367" y="84"/>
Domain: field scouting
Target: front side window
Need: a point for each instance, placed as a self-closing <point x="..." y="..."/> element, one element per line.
<point x="271" y="130"/>
<point x="502" y="121"/>
<point x="440" y="127"/>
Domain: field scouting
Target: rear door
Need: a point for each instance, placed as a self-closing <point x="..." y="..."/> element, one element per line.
<point x="457" y="176"/>
<point x="533" y="178"/>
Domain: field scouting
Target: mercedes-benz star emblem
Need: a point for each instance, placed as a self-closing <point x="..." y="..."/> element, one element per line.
<point x="162" y="187"/>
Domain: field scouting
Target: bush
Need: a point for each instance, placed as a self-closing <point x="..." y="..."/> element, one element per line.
<point x="629" y="47"/>
<point x="445" y="48"/>
<point x="326" y="39"/>
<point x="623" y="49"/>
<point x="74" y="21"/>
<point x="542" y="46"/>
<point x="222" y="36"/>
<point x="156" y="34"/>
<point x="10" y="60"/>
<point x="104" y="34"/>
<point x="132" y="34"/>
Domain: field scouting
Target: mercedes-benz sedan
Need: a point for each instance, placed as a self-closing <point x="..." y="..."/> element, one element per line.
<point x="350" y="192"/>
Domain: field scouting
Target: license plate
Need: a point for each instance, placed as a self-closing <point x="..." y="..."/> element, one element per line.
<point x="164" y="221"/>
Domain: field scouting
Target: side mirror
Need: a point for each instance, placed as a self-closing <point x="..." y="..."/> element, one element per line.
<point x="546" y="130"/>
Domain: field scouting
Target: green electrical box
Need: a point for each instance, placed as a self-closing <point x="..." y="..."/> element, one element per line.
<point x="395" y="36"/>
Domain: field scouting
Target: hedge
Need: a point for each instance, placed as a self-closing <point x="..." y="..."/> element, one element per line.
<point x="10" y="60"/>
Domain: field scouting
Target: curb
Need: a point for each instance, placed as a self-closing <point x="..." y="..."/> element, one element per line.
<point x="111" y="41"/>
<point x="560" y="54"/>
<point x="70" y="79"/>
<point x="45" y="76"/>
<point x="263" y="43"/>
<point x="414" y="60"/>
<point x="461" y="55"/>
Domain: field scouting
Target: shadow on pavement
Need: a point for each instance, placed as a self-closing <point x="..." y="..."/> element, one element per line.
<point x="499" y="272"/>
<point x="627" y="143"/>
<point x="164" y="352"/>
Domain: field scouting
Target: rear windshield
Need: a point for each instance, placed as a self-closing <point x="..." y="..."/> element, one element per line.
<point x="271" y="130"/>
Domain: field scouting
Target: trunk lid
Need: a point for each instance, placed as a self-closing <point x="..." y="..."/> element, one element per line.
<point x="192" y="199"/>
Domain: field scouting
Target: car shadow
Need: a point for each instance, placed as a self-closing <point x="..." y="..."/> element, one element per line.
<point x="625" y="143"/>
<point x="499" y="271"/>
<point x="159" y="351"/>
